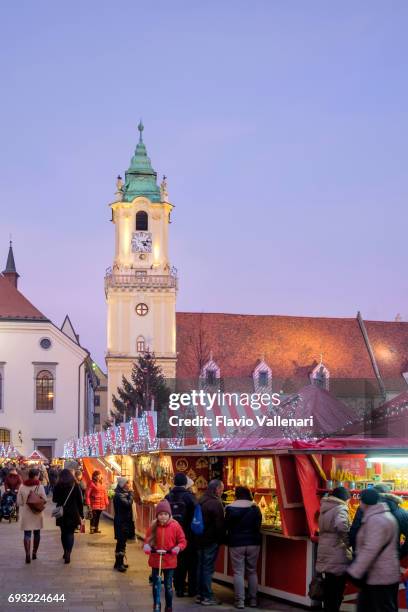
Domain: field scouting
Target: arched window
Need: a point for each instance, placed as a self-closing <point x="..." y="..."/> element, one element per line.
<point x="262" y="377"/>
<point x="44" y="398"/>
<point x="210" y="373"/>
<point x="5" y="436"/>
<point x="140" y="344"/>
<point x="142" y="221"/>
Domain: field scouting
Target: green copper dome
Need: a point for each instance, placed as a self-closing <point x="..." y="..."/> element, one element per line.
<point x="141" y="179"/>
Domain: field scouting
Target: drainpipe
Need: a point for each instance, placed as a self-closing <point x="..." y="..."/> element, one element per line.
<point x="79" y="396"/>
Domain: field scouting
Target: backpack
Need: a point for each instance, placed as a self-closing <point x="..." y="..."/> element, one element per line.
<point x="178" y="509"/>
<point x="197" y="524"/>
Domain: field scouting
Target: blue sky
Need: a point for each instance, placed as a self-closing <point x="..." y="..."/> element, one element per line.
<point x="282" y="128"/>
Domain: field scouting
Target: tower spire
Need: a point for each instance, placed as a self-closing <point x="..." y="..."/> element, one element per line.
<point x="10" y="271"/>
<point x="140" y="177"/>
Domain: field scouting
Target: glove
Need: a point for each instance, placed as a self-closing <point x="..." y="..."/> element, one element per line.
<point x="175" y="550"/>
<point x="147" y="548"/>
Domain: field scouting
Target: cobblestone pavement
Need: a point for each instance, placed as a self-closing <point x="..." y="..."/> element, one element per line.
<point x="88" y="582"/>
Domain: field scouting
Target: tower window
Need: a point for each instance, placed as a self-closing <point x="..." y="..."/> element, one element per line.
<point x="140" y="345"/>
<point x="142" y="221"/>
<point x="44" y="391"/>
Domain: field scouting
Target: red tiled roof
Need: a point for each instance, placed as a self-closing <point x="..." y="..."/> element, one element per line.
<point x="389" y="341"/>
<point x="291" y="346"/>
<point x="13" y="304"/>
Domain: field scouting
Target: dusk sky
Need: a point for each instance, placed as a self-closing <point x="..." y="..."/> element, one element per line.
<point x="281" y="125"/>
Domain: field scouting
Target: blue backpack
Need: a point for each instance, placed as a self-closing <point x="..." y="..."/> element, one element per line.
<point x="197" y="524"/>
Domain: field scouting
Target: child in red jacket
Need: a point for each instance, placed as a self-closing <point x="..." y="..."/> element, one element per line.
<point x="164" y="534"/>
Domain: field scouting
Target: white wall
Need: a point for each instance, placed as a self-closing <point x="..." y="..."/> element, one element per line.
<point x="19" y="348"/>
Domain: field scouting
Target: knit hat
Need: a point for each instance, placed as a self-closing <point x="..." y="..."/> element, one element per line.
<point x="370" y="497"/>
<point x="122" y="481"/>
<point x="180" y="480"/>
<point x="341" y="493"/>
<point x="163" y="506"/>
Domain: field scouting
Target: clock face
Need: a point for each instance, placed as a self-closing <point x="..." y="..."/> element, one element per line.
<point x="142" y="242"/>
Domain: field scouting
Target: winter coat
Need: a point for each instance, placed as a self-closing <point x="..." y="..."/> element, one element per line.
<point x="214" y="521"/>
<point x="377" y="556"/>
<point x="96" y="496"/>
<point x="180" y="494"/>
<point x="12" y="482"/>
<point x="394" y="505"/>
<point x="243" y="521"/>
<point x="123" y="520"/>
<point x="29" y="520"/>
<point x="333" y="551"/>
<point x="53" y="476"/>
<point x="73" y="509"/>
<point x="167" y="537"/>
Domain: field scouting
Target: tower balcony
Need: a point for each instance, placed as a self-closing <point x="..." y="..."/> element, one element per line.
<point x="136" y="279"/>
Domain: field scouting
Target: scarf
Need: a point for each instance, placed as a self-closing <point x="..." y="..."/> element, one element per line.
<point x="31" y="482"/>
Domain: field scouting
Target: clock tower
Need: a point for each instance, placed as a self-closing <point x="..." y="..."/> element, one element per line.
<point x="141" y="286"/>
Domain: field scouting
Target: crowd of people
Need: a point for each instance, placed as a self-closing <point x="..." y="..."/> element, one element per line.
<point x="366" y="552"/>
<point x="183" y="541"/>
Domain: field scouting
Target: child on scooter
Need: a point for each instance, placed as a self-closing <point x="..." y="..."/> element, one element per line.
<point x="164" y="540"/>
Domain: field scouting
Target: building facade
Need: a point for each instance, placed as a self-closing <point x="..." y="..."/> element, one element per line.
<point x="46" y="386"/>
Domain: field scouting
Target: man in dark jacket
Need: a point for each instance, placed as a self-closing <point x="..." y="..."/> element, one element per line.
<point x="182" y="503"/>
<point x="123" y="520"/>
<point x="209" y="541"/>
<point x="394" y="504"/>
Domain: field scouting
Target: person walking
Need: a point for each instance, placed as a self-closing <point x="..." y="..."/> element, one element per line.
<point x="79" y="477"/>
<point x="68" y="496"/>
<point x="52" y="477"/>
<point x="31" y="521"/>
<point x="123" y="520"/>
<point x="183" y="502"/>
<point x="96" y="499"/>
<point x="376" y="568"/>
<point x="243" y="526"/>
<point x="13" y="481"/>
<point x="394" y="505"/>
<point x="164" y="540"/>
<point x="333" y="550"/>
<point x="209" y="541"/>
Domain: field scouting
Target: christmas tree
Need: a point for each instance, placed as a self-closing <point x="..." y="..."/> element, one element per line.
<point x="146" y="390"/>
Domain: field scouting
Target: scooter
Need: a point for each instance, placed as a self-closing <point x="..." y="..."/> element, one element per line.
<point x="158" y="584"/>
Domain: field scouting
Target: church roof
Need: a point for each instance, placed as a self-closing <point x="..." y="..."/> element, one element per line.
<point x="141" y="179"/>
<point x="14" y="306"/>
<point x="291" y="346"/>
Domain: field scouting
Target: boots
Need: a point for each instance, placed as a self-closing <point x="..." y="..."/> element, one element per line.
<point x="67" y="557"/>
<point x="27" y="548"/>
<point x="167" y="609"/>
<point x="119" y="563"/>
<point x="35" y="548"/>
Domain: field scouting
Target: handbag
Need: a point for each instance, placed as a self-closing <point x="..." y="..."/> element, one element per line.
<point x="316" y="588"/>
<point x="58" y="512"/>
<point x="35" y="502"/>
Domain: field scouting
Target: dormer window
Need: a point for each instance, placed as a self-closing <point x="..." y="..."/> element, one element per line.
<point x="142" y="221"/>
<point x="320" y="377"/>
<point x="210" y="373"/>
<point x="262" y="377"/>
<point x="211" y="377"/>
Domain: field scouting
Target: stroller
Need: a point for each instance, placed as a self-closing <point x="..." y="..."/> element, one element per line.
<point x="8" y="506"/>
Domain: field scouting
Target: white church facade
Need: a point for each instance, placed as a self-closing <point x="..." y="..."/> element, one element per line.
<point x="46" y="378"/>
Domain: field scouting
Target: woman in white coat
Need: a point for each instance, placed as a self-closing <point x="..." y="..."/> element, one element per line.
<point x="31" y="521"/>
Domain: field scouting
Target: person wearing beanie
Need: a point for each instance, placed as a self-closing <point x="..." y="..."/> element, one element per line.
<point x="164" y="540"/>
<point x="333" y="551"/>
<point x="376" y="568"/>
<point x="123" y="520"/>
<point x="183" y="502"/>
<point x="394" y="505"/>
